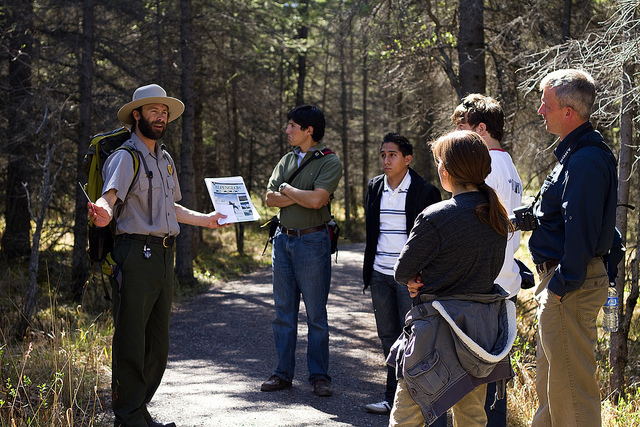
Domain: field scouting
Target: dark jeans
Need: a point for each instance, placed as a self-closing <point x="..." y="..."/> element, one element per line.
<point x="496" y="417"/>
<point x="391" y="302"/>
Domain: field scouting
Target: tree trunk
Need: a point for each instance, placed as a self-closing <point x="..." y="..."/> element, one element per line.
<point x="398" y="112"/>
<point x="365" y="126"/>
<point x="326" y="75"/>
<point x="159" y="43"/>
<point x="618" y="350"/>
<point x="282" y="140"/>
<point x="303" y="33"/>
<point x="566" y="21"/>
<point x="184" y="249"/>
<point x="344" y="135"/>
<point x="201" y="194"/>
<point x="85" y="71"/>
<point x="473" y="78"/>
<point x="424" y="164"/>
<point x="235" y="165"/>
<point x="15" y="240"/>
<point x="48" y="182"/>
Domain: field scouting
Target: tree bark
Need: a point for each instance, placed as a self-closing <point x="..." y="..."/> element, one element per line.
<point x="159" y="40"/>
<point x="48" y="182"/>
<point x="282" y="140"/>
<point x="235" y="169"/>
<point x="618" y="349"/>
<point x="303" y="33"/>
<point x="398" y="112"/>
<point x="566" y="21"/>
<point x="85" y="71"/>
<point x="184" y="249"/>
<point x="473" y="78"/>
<point x="344" y="134"/>
<point x="365" y="125"/>
<point x="15" y="240"/>
<point x="201" y="194"/>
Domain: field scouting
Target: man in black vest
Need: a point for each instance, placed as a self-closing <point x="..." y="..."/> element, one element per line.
<point x="392" y="202"/>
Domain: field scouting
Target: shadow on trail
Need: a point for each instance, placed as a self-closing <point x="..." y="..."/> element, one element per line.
<point x="222" y="349"/>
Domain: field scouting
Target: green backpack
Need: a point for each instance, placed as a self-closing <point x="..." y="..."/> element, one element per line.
<point x="101" y="239"/>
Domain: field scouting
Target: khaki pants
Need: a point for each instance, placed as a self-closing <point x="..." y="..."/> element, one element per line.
<point x="568" y="390"/>
<point x="468" y="412"/>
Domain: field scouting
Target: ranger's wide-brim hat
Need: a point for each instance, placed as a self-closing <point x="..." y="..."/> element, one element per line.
<point x="150" y="94"/>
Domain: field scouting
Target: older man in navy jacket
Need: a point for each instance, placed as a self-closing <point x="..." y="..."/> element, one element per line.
<point x="575" y="226"/>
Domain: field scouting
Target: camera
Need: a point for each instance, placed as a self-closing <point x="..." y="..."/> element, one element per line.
<point x="523" y="218"/>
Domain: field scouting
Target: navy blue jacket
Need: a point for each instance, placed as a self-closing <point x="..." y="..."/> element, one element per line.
<point x="420" y="195"/>
<point x="576" y="212"/>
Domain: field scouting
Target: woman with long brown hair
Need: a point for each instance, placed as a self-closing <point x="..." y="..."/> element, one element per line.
<point x="460" y="329"/>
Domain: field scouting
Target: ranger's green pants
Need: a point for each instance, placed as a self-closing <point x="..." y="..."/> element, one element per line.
<point x="141" y="310"/>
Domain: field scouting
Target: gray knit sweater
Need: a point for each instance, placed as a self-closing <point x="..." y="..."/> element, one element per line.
<point x="456" y="253"/>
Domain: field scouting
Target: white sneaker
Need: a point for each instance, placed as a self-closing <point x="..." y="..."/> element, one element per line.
<point x="381" y="408"/>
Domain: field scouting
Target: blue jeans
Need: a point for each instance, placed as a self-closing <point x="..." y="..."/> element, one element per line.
<point x="301" y="266"/>
<point x="391" y="302"/>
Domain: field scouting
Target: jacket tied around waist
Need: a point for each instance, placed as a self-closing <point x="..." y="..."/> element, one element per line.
<point x="453" y="344"/>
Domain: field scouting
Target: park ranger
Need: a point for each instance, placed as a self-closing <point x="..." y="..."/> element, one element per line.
<point x="145" y="207"/>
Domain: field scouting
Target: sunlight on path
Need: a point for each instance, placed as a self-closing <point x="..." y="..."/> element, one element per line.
<point x="222" y="350"/>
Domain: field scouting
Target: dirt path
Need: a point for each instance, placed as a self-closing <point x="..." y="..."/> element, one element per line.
<point x="222" y="350"/>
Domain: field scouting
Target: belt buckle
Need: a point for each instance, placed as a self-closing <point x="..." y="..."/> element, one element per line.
<point x="164" y="240"/>
<point x="546" y="266"/>
<point x="291" y="232"/>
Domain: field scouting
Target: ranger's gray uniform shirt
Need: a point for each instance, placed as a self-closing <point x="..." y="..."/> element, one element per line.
<point x="132" y="217"/>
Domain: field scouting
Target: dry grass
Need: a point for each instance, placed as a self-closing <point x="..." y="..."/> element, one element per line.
<point x="59" y="378"/>
<point x="61" y="375"/>
<point x="522" y="397"/>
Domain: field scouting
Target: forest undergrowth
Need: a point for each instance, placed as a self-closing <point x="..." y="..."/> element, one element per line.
<point x="521" y="391"/>
<point x="59" y="374"/>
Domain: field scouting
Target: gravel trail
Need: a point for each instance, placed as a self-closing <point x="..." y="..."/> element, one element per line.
<point x="222" y="350"/>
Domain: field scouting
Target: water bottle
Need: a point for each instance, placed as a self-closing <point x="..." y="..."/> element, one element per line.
<point x="610" y="310"/>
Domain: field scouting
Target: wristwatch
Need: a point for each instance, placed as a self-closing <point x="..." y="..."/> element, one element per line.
<point x="284" y="184"/>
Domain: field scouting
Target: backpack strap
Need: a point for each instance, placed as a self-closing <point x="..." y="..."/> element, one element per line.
<point x="581" y="144"/>
<point x="134" y="156"/>
<point x="598" y="144"/>
<point x="589" y="143"/>
<point x="316" y="155"/>
<point x="274" y="222"/>
<point x="137" y="157"/>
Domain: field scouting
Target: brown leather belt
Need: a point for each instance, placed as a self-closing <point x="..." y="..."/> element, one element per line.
<point x="297" y="232"/>
<point x="547" y="265"/>
<point x="166" y="241"/>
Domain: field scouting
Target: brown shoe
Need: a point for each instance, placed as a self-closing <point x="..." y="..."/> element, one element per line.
<point x="322" y="387"/>
<point x="275" y="383"/>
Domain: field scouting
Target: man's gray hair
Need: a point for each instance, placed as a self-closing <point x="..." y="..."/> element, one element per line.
<point x="574" y="88"/>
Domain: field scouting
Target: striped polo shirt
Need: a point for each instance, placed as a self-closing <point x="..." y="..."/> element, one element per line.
<point x="393" y="226"/>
